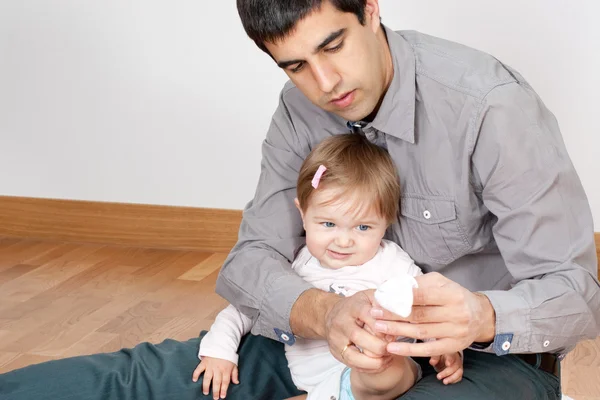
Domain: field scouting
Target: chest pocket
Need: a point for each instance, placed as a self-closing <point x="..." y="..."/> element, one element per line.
<point x="429" y="228"/>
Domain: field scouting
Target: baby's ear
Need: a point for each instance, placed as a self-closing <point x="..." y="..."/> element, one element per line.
<point x="297" y="203"/>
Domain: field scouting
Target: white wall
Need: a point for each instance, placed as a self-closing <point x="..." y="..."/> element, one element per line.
<point x="167" y="102"/>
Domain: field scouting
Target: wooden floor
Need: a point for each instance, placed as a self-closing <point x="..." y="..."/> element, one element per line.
<point x="63" y="299"/>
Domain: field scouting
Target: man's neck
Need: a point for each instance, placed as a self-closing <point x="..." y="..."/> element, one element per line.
<point x="388" y="71"/>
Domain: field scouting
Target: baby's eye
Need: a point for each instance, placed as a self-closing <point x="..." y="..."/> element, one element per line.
<point x="328" y="224"/>
<point x="364" y="228"/>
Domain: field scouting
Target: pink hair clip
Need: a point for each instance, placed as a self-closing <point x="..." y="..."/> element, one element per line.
<point x="317" y="178"/>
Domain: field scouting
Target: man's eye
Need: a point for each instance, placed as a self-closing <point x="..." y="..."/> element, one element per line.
<point x="335" y="48"/>
<point x="297" y="68"/>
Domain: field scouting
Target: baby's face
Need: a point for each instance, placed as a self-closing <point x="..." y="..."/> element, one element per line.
<point x="339" y="234"/>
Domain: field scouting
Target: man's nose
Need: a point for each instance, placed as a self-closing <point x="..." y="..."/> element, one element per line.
<point x="326" y="77"/>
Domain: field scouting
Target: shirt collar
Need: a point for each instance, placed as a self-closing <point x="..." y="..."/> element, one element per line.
<point x="396" y="115"/>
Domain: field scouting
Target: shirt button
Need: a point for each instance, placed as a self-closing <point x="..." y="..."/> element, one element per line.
<point x="506" y="345"/>
<point x="284" y="337"/>
<point x="546" y="343"/>
<point x="426" y="214"/>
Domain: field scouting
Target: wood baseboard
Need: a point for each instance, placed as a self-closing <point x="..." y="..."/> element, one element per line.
<point x="186" y="228"/>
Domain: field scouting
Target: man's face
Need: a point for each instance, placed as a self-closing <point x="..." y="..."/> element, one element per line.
<point x="340" y="65"/>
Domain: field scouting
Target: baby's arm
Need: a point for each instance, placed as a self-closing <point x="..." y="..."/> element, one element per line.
<point x="218" y="351"/>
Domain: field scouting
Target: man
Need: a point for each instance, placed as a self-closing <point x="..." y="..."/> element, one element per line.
<point x="491" y="205"/>
<point x="486" y="183"/>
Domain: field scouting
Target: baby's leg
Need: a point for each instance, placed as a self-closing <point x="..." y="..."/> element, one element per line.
<point x="301" y="397"/>
<point x="400" y="376"/>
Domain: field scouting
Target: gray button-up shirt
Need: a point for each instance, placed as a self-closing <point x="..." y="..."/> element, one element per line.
<point x="490" y="198"/>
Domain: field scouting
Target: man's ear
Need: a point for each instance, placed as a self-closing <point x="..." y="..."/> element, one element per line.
<point x="372" y="15"/>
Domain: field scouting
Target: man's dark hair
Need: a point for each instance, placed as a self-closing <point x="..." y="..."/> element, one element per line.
<point x="272" y="20"/>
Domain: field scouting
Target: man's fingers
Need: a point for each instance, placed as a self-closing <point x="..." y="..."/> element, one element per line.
<point x="432" y="279"/>
<point x="355" y="359"/>
<point x="420" y="331"/>
<point x="366" y="341"/>
<point x="429" y="296"/>
<point x="419" y="314"/>
<point x="426" y="349"/>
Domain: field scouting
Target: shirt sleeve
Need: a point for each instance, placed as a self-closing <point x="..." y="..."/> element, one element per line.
<point x="257" y="276"/>
<point x="542" y="225"/>
<point x="223" y="338"/>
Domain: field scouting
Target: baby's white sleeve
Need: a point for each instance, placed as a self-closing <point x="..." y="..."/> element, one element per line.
<point x="223" y="338"/>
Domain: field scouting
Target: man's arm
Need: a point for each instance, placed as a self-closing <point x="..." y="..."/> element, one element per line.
<point x="257" y="277"/>
<point x="543" y="226"/>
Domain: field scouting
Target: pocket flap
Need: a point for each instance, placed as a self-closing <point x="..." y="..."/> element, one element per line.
<point x="427" y="209"/>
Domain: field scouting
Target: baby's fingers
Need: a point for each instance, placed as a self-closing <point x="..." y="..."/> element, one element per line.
<point x="234" y="375"/>
<point x="455" y="377"/>
<point x="216" y="385"/>
<point x="198" y="371"/>
<point x="208" y="375"/>
<point x="446" y="372"/>
<point x="433" y="361"/>
<point x="224" y="386"/>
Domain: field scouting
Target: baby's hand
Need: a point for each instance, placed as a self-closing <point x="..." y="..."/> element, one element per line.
<point x="220" y="372"/>
<point x="449" y="367"/>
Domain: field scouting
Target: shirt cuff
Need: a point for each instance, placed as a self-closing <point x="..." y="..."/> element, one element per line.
<point x="274" y="316"/>
<point x="513" y="326"/>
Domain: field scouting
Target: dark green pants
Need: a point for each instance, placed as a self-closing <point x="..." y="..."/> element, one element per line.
<point x="164" y="372"/>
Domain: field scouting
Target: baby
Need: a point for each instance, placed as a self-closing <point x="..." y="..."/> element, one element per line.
<point x="348" y="194"/>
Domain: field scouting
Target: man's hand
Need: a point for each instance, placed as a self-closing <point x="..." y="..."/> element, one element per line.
<point x="341" y="321"/>
<point x="449" y="367"/>
<point x="347" y="323"/>
<point x="442" y="310"/>
<point x="218" y="371"/>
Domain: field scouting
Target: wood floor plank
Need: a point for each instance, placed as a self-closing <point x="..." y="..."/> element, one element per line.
<point x="179" y="328"/>
<point x="24" y="360"/>
<point x="54" y="337"/>
<point x="137" y="323"/>
<point x="14" y="272"/>
<point x="6" y="358"/>
<point x="49" y="274"/>
<point x="23" y="251"/>
<point x="205" y="268"/>
<point x="92" y="343"/>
